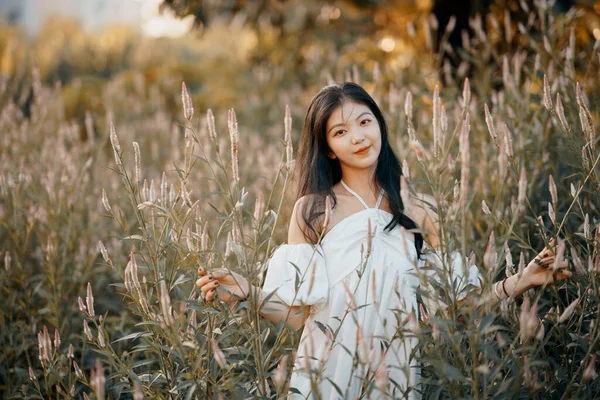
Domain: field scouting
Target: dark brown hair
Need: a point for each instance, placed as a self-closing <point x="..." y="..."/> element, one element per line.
<point x="317" y="173"/>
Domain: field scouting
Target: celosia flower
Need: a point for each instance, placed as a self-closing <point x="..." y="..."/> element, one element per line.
<point x="98" y="380"/>
<point x="138" y="162"/>
<point x="589" y="374"/>
<point x="89" y="301"/>
<point x="235" y="140"/>
<point x="552" y="188"/>
<point x="165" y="304"/>
<point x="568" y="311"/>
<point x="327" y="216"/>
<point x="101" y="341"/>
<point x="408" y="106"/>
<point x="137" y="392"/>
<point x="114" y="140"/>
<point x="81" y="305"/>
<point x="280" y="373"/>
<point x="103" y="251"/>
<point x="508" y="255"/>
<point x="412" y="323"/>
<point x="522" y="189"/>
<point x="7" y="260"/>
<point x="259" y="207"/>
<point x="490" y="122"/>
<point x="485" y="208"/>
<point x="547" y="95"/>
<point x="186" y="99"/>
<point x="465" y="158"/>
<point x="509" y="143"/>
<point x="577" y="263"/>
<point x="87" y="331"/>
<point x="287" y="122"/>
<point x="560" y="112"/>
<point x="466" y="93"/>
<point x="551" y="213"/>
<point x="437" y="135"/>
<point x="381" y="374"/>
<point x="210" y="122"/>
<point x="490" y="257"/>
<point x="527" y="319"/>
<point x="218" y="353"/>
<point x="204" y="237"/>
<point x="78" y="371"/>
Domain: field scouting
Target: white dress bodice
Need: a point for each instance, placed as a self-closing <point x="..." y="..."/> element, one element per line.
<point x="356" y="339"/>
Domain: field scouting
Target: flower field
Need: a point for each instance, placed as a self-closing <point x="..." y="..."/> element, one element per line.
<point x="115" y="189"/>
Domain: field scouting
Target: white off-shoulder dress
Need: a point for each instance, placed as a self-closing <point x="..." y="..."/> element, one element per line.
<point x="357" y="340"/>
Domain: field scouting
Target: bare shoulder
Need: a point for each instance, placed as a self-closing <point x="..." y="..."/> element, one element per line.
<point x="297" y="224"/>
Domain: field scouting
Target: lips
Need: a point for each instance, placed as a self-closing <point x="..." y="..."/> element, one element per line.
<point x="363" y="150"/>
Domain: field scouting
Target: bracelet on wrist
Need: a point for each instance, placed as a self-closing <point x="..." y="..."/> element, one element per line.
<point x="495" y="289"/>
<point x="504" y="288"/>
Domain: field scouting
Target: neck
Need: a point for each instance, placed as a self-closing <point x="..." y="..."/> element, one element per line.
<point x="362" y="182"/>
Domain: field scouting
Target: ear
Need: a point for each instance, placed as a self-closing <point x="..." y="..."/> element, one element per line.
<point x="331" y="155"/>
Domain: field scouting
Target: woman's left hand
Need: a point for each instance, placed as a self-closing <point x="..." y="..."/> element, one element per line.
<point x="542" y="271"/>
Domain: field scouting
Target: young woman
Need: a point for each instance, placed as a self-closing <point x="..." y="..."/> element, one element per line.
<point x="347" y="274"/>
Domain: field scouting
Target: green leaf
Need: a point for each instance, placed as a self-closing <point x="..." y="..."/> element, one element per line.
<point x="133" y="237"/>
<point x="134" y="335"/>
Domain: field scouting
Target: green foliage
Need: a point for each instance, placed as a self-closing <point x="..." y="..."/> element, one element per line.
<point x="182" y="197"/>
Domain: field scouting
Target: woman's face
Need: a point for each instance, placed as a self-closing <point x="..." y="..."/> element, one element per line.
<point x="353" y="136"/>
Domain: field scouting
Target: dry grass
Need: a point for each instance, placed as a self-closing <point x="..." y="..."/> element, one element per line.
<point x="121" y="216"/>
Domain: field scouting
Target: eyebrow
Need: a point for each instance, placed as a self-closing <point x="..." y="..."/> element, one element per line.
<point x="343" y="123"/>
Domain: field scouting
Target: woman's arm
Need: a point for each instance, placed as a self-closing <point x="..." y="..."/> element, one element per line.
<point x="275" y="310"/>
<point x="227" y="286"/>
<point x="540" y="271"/>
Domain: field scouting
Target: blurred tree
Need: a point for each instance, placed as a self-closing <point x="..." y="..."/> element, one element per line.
<point x="291" y="16"/>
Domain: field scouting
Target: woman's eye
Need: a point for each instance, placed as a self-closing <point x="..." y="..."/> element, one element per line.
<point x="340" y="132"/>
<point x="365" y="121"/>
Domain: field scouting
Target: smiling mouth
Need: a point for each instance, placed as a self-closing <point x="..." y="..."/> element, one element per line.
<point x="363" y="150"/>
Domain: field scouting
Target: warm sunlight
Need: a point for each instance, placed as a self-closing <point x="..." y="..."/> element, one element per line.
<point x="157" y="24"/>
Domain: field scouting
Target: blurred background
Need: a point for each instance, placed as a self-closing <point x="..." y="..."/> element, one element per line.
<point x="230" y="51"/>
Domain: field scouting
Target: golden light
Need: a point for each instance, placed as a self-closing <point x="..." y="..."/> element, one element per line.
<point x="596" y="33"/>
<point x="387" y="44"/>
<point x="165" y="24"/>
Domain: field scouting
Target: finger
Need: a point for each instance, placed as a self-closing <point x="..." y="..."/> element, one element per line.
<point x="201" y="271"/>
<point x="547" y="261"/>
<point x="204" y="280"/>
<point x="210" y="296"/>
<point x="546" y="252"/>
<point x="543" y="261"/>
<point x="209" y="286"/>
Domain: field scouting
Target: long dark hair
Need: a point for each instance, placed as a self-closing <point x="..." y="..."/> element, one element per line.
<point x="317" y="173"/>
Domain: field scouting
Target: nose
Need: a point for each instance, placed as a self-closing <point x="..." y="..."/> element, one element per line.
<point x="357" y="136"/>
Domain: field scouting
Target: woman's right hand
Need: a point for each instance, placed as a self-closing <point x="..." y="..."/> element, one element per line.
<point x="222" y="284"/>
